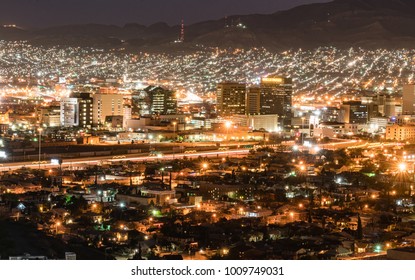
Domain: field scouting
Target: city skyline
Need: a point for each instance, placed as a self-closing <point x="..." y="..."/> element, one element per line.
<point x="287" y="136"/>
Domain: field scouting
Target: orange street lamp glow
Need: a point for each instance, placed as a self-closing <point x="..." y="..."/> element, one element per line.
<point x="402" y="167"/>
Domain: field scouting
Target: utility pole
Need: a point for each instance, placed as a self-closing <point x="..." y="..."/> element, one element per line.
<point x="40" y="143"/>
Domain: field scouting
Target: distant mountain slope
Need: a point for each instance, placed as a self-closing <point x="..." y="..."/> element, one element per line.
<point x="343" y="23"/>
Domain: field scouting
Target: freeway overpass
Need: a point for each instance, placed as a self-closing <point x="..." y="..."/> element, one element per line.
<point x="140" y="157"/>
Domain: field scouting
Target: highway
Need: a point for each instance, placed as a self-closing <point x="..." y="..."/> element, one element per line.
<point x="97" y="160"/>
<point x="79" y="162"/>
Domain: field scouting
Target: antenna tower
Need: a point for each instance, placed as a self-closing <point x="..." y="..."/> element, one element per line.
<point x="182" y="32"/>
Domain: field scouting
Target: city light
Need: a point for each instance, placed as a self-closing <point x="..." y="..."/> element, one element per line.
<point x="200" y="151"/>
<point x="402" y="167"/>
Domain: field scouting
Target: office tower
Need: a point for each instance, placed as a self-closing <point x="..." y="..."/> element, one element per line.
<point x="330" y="114"/>
<point x="127" y="115"/>
<point x="106" y="105"/>
<point x="162" y="101"/>
<point x="276" y="98"/>
<point x="253" y="99"/>
<point x="140" y="103"/>
<point x="354" y="112"/>
<point x="386" y="105"/>
<point x="230" y="99"/>
<point x="76" y="110"/>
<point x="69" y="112"/>
<point x="408" y="99"/>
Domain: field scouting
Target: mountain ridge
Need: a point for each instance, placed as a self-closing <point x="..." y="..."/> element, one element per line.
<point x="341" y="23"/>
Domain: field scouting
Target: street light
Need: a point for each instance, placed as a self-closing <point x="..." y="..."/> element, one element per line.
<point x="402" y="167"/>
<point x="205" y="166"/>
<point x="302" y="127"/>
<point x="56" y="225"/>
<point x="174" y="130"/>
<point x="40" y="143"/>
<point x="228" y="124"/>
<point x="175" y="137"/>
<point x="292" y="216"/>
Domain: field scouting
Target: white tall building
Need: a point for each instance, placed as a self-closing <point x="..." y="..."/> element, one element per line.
<point x="127" y="116"/>
<point x="76" y="110"/>
<point x="106" y="105"/>
<point x="69" y="112"/>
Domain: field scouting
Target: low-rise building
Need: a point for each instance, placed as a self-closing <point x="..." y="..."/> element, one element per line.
<point x="400" y="132"/>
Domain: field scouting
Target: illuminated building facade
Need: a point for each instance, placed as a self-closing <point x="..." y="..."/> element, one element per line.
<point x="356" y="112"/>
<point x="106" y="105"/>
<point x="408" y="98"/>
<point x="230" y="99"/>
<point x="400" y="132"/>
<point x="253" y="99"/>
<point x="276" y="98"/>
<point x="162" y="101"/>
<point x="76" y="110"/>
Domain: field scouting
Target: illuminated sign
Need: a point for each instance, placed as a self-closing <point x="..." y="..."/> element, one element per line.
<point x="56" y="161"/>
<point x="273" y="80"/>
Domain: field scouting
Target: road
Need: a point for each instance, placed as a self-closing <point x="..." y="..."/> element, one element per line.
<point x="355" y="144"/>
<point x="77" y="162"/>
<point x="364" y="256"/>
<point x="99" y="159"/>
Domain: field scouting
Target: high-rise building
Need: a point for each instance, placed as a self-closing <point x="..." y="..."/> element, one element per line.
<point x="85" y="109"/>
<point x="106" y="105"/>
<point x="140" y="103"/>
<point x="276" y="98"/>
<point x="408" y="99"/>
<point x="230" y="98"/>
<point x="387" y="105"/>
<point x="330" y="114"/>
<point x="69" y="112"/>
<point x="354" y="112"/>
<point x="76" y="110"/>
<point x="162" y="101"/>
<point x="127" y="115"/>
<point x="253" y="99"/>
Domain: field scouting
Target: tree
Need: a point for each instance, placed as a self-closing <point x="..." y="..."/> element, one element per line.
<point x="76" y="205"/>
<point x="359" y="232"/>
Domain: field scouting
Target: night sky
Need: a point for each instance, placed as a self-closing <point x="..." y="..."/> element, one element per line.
<point x="42" y="13"/>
